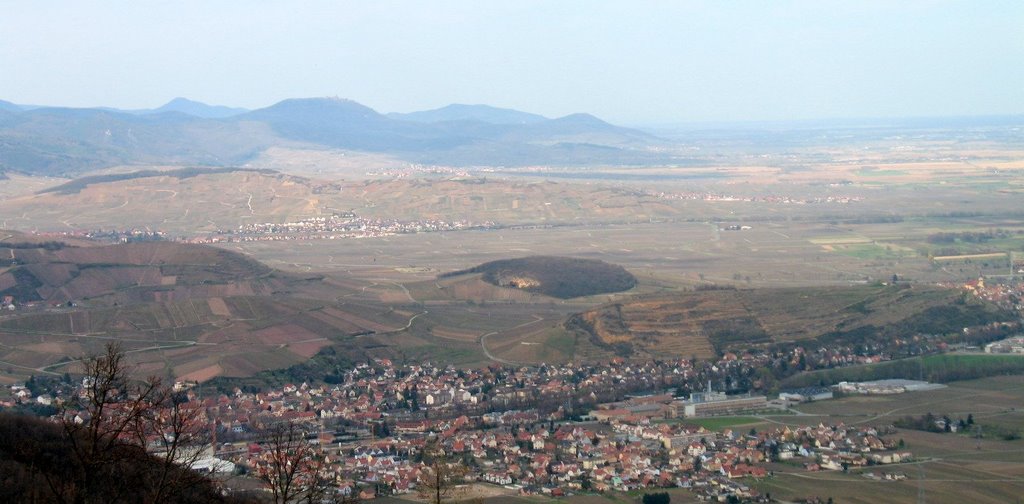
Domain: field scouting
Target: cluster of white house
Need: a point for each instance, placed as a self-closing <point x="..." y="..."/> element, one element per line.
<point x="806" y="394"/>
<point x="882" y="387"/>
<point x="1009" y="345"/>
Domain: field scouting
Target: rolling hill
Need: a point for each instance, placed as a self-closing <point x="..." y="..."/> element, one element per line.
<point x="197" y="109"/>
<point x="173" y="199"/>
<point x="55" y="273"/>
<point x="55" y="141"/>
<point x="188" y="311"/>
<point x="170" y="200"/>
<point x="559" y="277"/>
<point x="9" y="107"/>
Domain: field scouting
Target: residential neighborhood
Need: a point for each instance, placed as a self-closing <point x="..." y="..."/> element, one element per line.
<point x="553" y="430"/>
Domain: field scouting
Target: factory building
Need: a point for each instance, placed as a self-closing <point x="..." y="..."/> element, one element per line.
<point x="710" y="403"/>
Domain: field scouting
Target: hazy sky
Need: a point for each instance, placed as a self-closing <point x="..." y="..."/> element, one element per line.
<point x="629" y="61"/>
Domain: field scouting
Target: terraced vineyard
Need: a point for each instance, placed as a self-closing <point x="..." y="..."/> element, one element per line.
<point x="187" y="311"/>
<point x="703" y="323"/>
<point x="156" y="271"/>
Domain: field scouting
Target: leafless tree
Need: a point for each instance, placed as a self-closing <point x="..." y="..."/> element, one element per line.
<point x="318" y="487"/>
<point x="293" y="469"/>
<point x="440" y="477"/>
<point x="179" y="436"/>
<point x="116" y="420"/>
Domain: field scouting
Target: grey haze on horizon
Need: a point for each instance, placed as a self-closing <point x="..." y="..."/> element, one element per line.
<point x="635" y="62"/>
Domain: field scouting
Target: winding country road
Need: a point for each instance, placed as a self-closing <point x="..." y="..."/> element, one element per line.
<point x="483" y="341"/>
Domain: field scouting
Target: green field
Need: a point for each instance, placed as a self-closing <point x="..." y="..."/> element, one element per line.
<point x="874" y="251"/>
<point x="957" y="468"/>
<point x="937" y="368"/>
<point x="719" y="423"/>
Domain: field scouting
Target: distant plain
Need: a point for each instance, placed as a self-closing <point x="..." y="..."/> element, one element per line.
<point x="814" y="214"/>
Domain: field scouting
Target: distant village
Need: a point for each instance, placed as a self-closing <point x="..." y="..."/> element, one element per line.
<point x="413" y="170"/>
<point x="1008" y="293"/>
<point x="335" y="226"/>
<point x="712" y="196"/>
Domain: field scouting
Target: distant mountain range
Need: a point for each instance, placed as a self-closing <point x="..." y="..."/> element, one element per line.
<point x="10" y="107"/>
<point x="182" y="105"/>
<point x="482" y="113"/>
<point x="70" y="141"/>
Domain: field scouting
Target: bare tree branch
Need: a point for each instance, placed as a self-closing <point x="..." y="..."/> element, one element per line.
<point x="117" y="417"/>
<point x="291" y="468"/>
<point x="440" y="478"/>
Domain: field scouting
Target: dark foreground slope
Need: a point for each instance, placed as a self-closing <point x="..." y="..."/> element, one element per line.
<point x="39" y="463"/>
